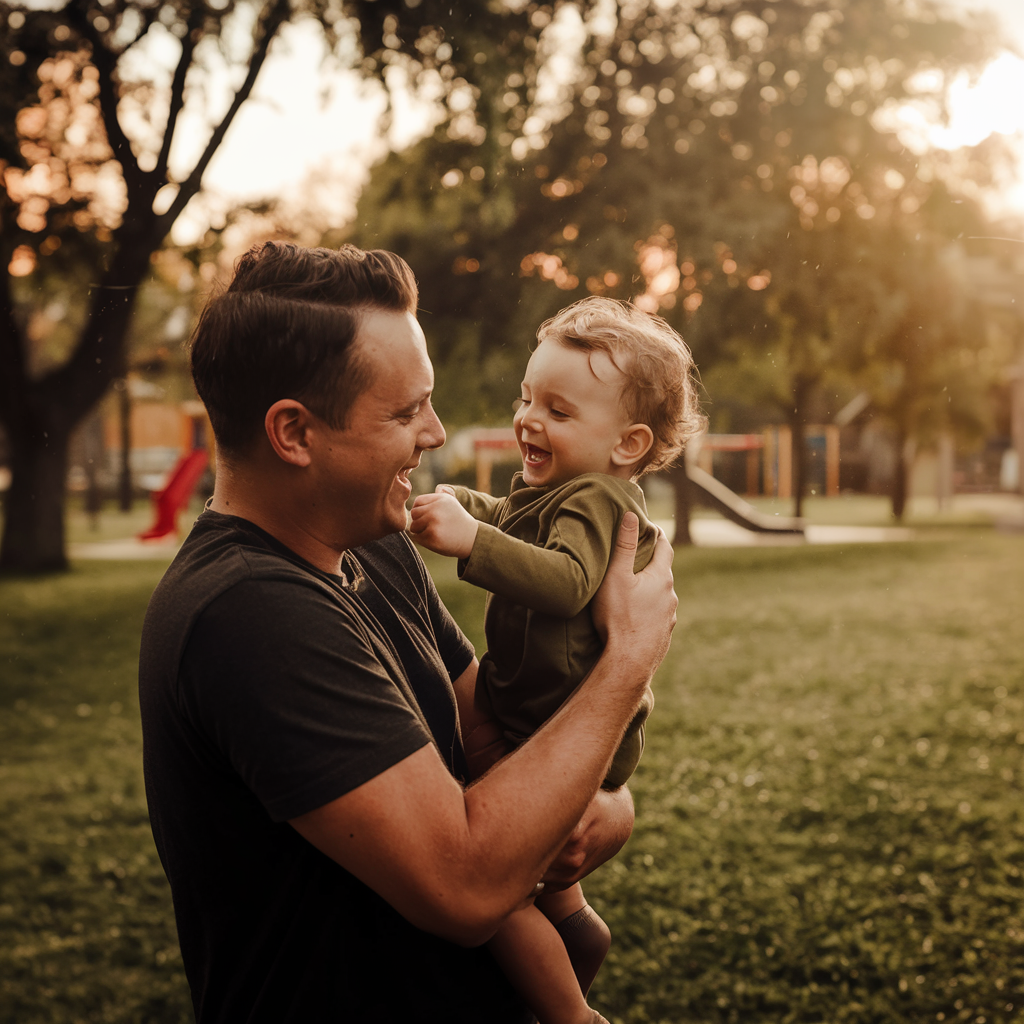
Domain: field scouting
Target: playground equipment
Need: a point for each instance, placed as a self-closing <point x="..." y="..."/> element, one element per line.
<point x="716" y="495"/>
<point x="186" y="474"/>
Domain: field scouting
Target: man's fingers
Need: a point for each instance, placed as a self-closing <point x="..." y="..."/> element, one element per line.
<point x="663" y="552"/>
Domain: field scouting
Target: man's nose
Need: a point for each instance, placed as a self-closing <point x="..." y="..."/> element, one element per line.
<point x="432" y="435"/>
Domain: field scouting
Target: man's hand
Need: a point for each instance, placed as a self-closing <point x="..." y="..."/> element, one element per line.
<point x="440" y="523"/>
<point x="635" y="614"/>
<point x="600" y="834"/>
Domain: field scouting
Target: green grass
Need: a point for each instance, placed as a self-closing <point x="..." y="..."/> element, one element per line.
<point x="829" y="822"/>
<point x="830" y="808"/>
<point x="86" y="928"/>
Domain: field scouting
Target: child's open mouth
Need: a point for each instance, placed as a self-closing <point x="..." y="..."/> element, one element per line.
<point x="535" y="456"/>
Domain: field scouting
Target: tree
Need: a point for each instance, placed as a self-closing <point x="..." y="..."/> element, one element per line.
<point x="920" y="358"/>
<point x="727" y="164"/>
<point x="88" y="182"/>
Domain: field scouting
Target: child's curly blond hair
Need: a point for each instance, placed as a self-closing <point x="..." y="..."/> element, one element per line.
<point x="659" y="391"/>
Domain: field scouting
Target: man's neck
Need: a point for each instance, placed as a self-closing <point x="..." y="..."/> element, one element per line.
<point x="270" y="505"/>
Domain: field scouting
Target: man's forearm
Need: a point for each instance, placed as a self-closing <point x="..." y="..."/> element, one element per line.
<point x="542" y="789"/>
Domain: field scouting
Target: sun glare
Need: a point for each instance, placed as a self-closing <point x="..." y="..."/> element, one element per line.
<point x="992" y="104"/>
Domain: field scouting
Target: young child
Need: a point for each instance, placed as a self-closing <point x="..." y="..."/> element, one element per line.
<point x="608" y="396"/>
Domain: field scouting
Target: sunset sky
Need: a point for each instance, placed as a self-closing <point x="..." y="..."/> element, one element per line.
<point x="303" y="121"/>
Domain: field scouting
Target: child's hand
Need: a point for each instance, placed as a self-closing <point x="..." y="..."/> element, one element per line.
<point x="440" y="523"/>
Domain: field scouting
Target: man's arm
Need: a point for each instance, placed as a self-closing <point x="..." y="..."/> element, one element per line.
<point x="456" y="862"/>
<point x="607" y="822"/>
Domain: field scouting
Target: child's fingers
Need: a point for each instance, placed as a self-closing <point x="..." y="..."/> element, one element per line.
<point x="424" y="499"/>
<point x="419" y="518"/>
<point x="444" y="489"/>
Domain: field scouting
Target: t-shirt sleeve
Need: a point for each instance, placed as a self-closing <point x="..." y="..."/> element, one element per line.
<point x="285" y="684"/>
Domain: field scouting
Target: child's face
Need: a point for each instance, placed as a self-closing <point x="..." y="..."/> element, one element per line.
<point x="570" y="419"/>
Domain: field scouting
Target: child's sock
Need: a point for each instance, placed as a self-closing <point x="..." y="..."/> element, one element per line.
<point x="587" y="940"/>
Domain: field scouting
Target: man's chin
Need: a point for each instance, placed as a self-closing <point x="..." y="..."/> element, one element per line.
<point x="392" y="521"/>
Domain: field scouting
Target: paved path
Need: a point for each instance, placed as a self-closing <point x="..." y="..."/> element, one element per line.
<point x="720" y="533"/>
<point x="709" y="533"/>
<point x="129" y="549"/>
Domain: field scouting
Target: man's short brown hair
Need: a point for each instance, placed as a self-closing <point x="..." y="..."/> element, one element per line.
<point x="284" y="329"/>
<point x="659" y="388"/>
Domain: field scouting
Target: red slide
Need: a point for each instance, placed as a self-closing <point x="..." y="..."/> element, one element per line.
<point x="175" y="496"/>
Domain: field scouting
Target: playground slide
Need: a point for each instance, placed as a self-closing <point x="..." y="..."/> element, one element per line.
<point x="716" y="495"/>
<point x="175" y="495"/>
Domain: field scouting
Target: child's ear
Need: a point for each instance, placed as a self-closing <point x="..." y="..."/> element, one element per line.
<point x="633" y="445"/>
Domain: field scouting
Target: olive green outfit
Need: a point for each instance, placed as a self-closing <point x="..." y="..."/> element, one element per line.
<point x="542" y="552"/>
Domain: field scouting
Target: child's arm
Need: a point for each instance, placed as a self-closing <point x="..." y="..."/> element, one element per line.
<point x="558" y="579"/>
<point x="549" y="579"/>
<point x="559" y="574"/>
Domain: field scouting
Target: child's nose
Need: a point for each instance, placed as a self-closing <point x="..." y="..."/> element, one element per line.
<point x="530" y="420"/>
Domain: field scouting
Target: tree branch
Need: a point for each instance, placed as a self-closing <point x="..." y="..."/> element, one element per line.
<point x="148" y="17"/>
<point x="276" y="16"/>
<point x="106" y="64"/>
<point x="100" y="354"/>
<point x="188" y="46"/>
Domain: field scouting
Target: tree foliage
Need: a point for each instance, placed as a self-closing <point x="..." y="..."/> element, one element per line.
<point x="734" y="166"/>
<point x="726" y="163"/>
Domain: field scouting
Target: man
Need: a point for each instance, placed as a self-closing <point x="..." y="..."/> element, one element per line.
<point x="304" y="693"/>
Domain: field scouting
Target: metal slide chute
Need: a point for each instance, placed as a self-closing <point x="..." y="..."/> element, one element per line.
<point x="715" y="495"/>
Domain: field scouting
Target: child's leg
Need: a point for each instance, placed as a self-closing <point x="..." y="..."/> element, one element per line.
<point x="533" y="957"/>
<point x="586" y="937"/>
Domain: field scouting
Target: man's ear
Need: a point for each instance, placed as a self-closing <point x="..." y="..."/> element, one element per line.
<point x="633" y="445"/>
<point x="287" y="425"/>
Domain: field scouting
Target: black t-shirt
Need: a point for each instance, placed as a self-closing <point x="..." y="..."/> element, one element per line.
<point x="268" y="689"/>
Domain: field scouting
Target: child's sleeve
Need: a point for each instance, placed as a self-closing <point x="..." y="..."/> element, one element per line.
<point x="485" y="508"/>
<point x="561" y="577"/>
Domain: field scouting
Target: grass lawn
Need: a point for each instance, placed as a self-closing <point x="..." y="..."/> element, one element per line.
<point x="830" y="819"/>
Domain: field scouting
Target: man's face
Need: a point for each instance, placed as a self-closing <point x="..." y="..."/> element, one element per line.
<point x="367" y="463"/>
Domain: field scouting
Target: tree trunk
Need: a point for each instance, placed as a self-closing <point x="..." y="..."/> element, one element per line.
<point x="901" y="474"/>
<point x="124" y="407"/>
<point x="798" y="427"/>
<point x="684" y="501"/>
<point x="33" y="538"/>
<point x="39" y="415"/>
<point x="92" y="454"/>
<point x="798" y="461"/>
